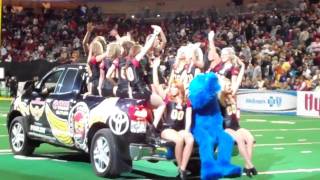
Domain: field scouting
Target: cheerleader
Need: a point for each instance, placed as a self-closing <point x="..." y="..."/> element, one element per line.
<point x="93" y="63"/>
<point x="105" y="86"/>
<point x="177" y="117"/>
<point x="135" y="72"/>
<point x="231" y="114"/>
<point x="118" y="69"/>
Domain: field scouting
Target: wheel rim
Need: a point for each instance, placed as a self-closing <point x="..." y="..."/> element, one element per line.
<point x="101" y="154"/>
<point x="17" y="137"/>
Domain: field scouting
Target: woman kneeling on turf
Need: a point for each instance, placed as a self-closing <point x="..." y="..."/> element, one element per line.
<point x="177" y="120"/>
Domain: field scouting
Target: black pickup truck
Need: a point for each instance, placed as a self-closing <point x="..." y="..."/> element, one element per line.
<point x="111" y="130"/>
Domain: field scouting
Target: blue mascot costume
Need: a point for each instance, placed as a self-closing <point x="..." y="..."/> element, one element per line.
<point x="208" y="129"/>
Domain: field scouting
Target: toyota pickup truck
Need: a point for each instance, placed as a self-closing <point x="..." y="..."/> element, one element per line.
<point x="113" y="131"/>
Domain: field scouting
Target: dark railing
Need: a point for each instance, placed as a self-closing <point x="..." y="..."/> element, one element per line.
<point x="25" y="71"/>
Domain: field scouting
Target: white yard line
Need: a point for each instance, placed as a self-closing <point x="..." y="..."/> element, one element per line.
<point x="256" y="120"/>
<point x="262" y="115"/>
<point x="245" y="119"/>
<point x="301" y="140"/>
<point x="3" y="136"/>
<point x="29" y="157"/>
<point x="302" y="129"/>
<point x="290" y="171"/>
<point x="5" y="150"/>
<point x="59" y="160"/>
<point x="282" y="122"/>
<point x="305" y="152"/>
<point x="286" y="144"/>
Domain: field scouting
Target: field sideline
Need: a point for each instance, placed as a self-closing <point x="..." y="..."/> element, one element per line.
<point x="287" y="147"/>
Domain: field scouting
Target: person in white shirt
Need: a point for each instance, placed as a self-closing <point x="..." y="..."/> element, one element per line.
<point x="314" y="46"/>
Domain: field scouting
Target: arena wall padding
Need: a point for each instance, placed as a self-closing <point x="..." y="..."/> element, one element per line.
<point x="25" y="71"/>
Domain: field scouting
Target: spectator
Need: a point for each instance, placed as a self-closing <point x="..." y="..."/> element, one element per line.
<point x="256" y="72"/>
<point x="274" y="44"/>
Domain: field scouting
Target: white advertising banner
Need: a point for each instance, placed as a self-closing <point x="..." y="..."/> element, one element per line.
<point x="308" y="104"/>
<point x="284" y="102"/>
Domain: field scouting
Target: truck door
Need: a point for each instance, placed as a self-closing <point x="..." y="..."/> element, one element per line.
<point x="59" y="104"/>
<point x="39" y="126"/>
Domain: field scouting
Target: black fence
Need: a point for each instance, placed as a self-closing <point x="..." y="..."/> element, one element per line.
<point x="25" y="71"/>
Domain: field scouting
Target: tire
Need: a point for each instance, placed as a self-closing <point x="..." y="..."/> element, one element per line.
<point x="18" y="139"/>
<point x="109" y="165"/>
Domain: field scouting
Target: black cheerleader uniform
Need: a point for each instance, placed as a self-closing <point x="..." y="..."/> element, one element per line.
<point x="123" y="83"/>
<point x="175" y="115"/>
<point x="177" y="74"/>
<point x="94" y="79"/>
<point x="107" y="88"/>
<point x="231" y="116"/>
<point x="191" y="73"/>
<point x="135" y="76"/>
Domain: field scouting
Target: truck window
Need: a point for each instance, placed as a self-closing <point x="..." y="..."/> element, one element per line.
<point x="50" y="83"/>
<point x="68" y="81"/>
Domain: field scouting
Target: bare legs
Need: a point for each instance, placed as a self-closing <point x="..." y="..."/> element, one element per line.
<point x="183" y="145"/>
<point x="249" y="141"/>
<point x="187" y="150"/>
<point x="245" y="141"/>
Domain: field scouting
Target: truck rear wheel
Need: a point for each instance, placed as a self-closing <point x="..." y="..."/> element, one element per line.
<point x="104" y="154"/>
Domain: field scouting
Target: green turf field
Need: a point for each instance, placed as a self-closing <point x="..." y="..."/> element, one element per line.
<point x="287" y="147"/>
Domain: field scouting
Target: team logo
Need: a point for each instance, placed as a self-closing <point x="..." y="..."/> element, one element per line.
<point x="119" y="123"/>
<point x="78" y="121"/>
<point x="61" y="107"/>
<point x="37" y="108"/>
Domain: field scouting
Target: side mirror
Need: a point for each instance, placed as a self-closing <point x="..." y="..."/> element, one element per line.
<point x="75" y="91"/>
<point x="34" y="93"/>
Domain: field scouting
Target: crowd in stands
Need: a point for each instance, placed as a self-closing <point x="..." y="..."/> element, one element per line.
<point x="281" y="49"/>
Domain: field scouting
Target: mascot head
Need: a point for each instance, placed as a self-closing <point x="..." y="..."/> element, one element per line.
<point x="203" y="90"/>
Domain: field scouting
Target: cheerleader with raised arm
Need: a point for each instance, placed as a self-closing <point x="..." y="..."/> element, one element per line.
<point x="176" y="122"/>
<point x="118" y="68"/>
<point x="106" y="85"/>
<point x="93" y="64"/>
<point x="231" y="114"/>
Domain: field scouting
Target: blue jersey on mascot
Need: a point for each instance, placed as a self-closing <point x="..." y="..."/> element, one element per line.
<point x="208" y="129"/>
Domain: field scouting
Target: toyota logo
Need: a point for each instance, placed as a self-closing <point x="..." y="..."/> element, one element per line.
<point x="119" y="123"/>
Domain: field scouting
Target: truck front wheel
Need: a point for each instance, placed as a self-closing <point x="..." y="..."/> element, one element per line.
<point x="19" y="141"/>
